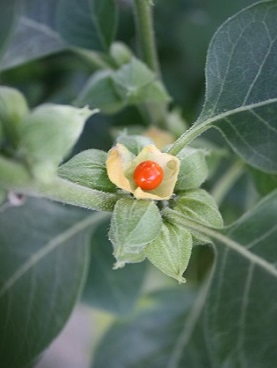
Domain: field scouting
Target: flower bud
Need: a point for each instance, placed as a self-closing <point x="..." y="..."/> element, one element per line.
<point x="48" y="134"/>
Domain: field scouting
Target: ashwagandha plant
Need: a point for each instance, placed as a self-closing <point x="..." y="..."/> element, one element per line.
<point x="155" y="194"/>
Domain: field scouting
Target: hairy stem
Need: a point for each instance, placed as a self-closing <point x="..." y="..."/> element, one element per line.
<point x="145" y="33"/>
<point x="15" y="177"/>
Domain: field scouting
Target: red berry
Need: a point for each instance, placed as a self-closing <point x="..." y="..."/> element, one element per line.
<point x="148" y="175"/>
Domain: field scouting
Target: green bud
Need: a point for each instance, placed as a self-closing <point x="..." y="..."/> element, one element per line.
<point x="201" y="207"/>
<point x="134" y="224"/>
<point x="88" y="169"/>
<point x="48" y="134"/>
<point x="100" y="92"/>
<point x="136" y="84"/>
<point x="134" y="143"/>
<point x="170" y="251"/>
<point x="193" y="169"/>
<point x="13" y="108"/>
<point x="120" y="53"/>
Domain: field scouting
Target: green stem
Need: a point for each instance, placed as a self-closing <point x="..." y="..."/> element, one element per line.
<point x="145" y="33"/>
<point x="188" y="137"/>
<point x="226" y="182"/>
<point x="15" y="177"/>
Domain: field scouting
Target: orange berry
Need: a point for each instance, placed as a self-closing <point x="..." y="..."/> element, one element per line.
<point x="148" y="175"/>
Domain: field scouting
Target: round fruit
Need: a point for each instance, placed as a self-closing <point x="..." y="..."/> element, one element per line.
<point x="148" y="175"/>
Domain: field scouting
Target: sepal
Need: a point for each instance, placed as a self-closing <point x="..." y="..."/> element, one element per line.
<point x="133" y="225"/>
<point x="88" y="169"/>
<point x="170" y="251"/>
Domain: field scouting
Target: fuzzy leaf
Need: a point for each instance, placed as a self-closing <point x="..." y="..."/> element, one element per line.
<point x="170" y="251"/>
<point x="42" y="268"/>
<point x="13" y="108"/>
<point x="242" y="292"/>
<point x="114" y="291"/>
<point x="88" y="169"/>
<point x="134" y="224"/>
<point x="100" y="92"/>
<point x="136" y="83"/>
<point x="48" y="134"/>
<point x="88" y="24"/>
<point x="241" y="96"/>
<point x="193" y="169"/>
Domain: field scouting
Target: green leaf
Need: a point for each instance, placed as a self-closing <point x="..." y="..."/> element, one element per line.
<point x="134" y="143"/>
<point x="136" y="84"/>
<point x="199" y="206"/>
<point x="134" y="224"/>
<point x="170" y="251"/>
<point x="120" y="53"/>
<point x="241" y="309"/>
<point x="34" y="35"/>
<point x="88" y="169"/>
<point x="114" y="291"/>
<point x="13" y="108"/>
<point x="100" y="92"/>
<point x="155" y="336"/>
<point x="193" y="169"/>
<point x="265" y="183"/>
<point x="48" y="134"/>
<point x="105" y="20"/>
<point x="241" y="96"/>
<point x="43" y="262"/>
<point x="89" y="24"/>
<point x="8" y="13"/>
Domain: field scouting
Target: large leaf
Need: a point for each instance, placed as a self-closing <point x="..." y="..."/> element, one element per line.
<point x="35" y="34"/>
<point x="241" y="308"/>
<point x="87" y="23"/>
<point x="7" y="17"/>
<point x="43" y="261"/>
<point x="240" y="314"/>
<point x="153" y="337"/>
<point x="112" y="290"/>
<point x="241" y="95"/>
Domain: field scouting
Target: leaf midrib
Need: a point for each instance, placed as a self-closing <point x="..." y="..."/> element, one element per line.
<point x="48" y="248"/>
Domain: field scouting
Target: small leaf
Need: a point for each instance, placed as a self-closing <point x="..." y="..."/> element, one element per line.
<point x="114" y="291"/>
<point x="88" y="169"/>
<point x="48" y="134"/>
<point x="134" y="143"/>
<point x="193" y="169"/>
<point x="104" y="14"/>
<point x="100" y="92"/>
<point x="170" y="251"/>
<point x="13" y="108"/>
<point x="43" y="263"/>
<point x="200" y="206"/>
<point x="134" y="224"/>
<point x="136" y="83"/>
